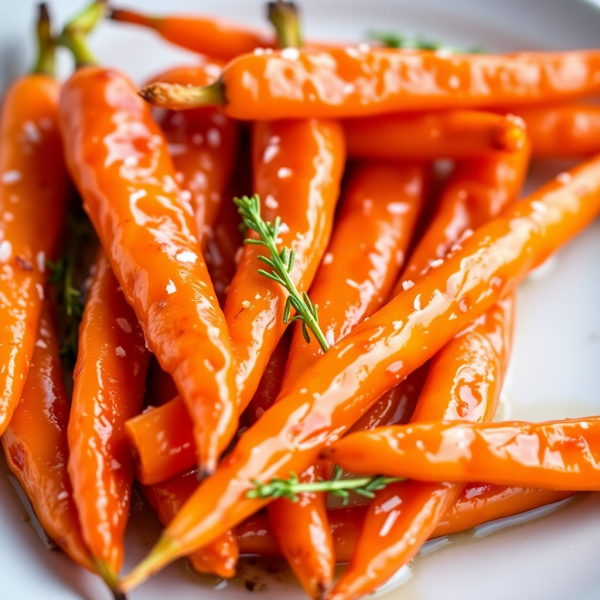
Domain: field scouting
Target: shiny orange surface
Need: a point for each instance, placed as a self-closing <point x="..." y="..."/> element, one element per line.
<point x="449" y="134"/>
<point x="120" y="164"/>
<point x="33" y="195"/>
<point x="109" y="385"/>
<point x="36" y="449"/>
<point x="558" y="455"/>
<point x="297" y="172"/>
<point x="562" y="130"/>
<point x="203" y="144"/>
<point x="383" y="202"/>
<point x="352" y="82"/>
<point x="464" y="379"/>
<point x="330" y="396"/>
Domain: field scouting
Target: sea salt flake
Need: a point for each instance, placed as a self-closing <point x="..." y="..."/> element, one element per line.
<point x="187" y="256"/>
<point x="406" y="285"/>
<point x="120" y="351"/>
<point x="171" y="288"/>
<point x="12" y="176"/>
<point x="124" y="324"/>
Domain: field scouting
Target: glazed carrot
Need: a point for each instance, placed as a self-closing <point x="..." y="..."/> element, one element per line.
<point x="477" y="504"/>
<point x="120" y="164"/>
<point x="298" y="171"/>
<point x="35" y="444"/>
<point x="557" y="455"/>
<point x="210" y="35"/>
<point x="109" y="387"/>
<point x="562" y="131"/>
<point x="464" y="379"/>
<point x="451" y="134"/>
<point x="354" y="82"/>
<point x="203" y="145"/>
<point x="383" y="202"/>
<point x="464" y="382"/>
<point x="33" y="194"/>
<point x="219" y="557"/>
<point x="330" y="396"/>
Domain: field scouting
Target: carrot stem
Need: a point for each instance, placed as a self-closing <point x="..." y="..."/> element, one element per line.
<point x="178" y="97"/>
<point x="285" y="17"/>
<point x="75" y="32"/>
<point x="45" y="63"/>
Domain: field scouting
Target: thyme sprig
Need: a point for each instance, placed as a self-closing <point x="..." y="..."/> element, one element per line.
<point x="281" y="263"/>
<point x="290" y="488"/>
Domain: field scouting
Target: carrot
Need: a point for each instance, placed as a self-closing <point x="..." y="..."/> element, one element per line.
<point x="203" y="145"/>
<point x="382" y="201"/>
<point x="109" y="387"/>
<point x="216" y="37"/>
<point x="354" y="82"/>
<point x="428" y="136"/>
<point x="564" y="456"/>
<point x="35" y="444"/>
<point x="464" y="379"/>
<point x="562" y="130"/>
<point x="330" y="396"/>
<point x="120" y="164"/>
<point x="33" y="195"/>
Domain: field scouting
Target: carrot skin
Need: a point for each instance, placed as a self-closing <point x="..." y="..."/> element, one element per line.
<point x="121" y="166"/>
<point x="33" y="194"/>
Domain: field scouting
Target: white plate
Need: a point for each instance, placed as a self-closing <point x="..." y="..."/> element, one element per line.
<point x="556" y="363"/>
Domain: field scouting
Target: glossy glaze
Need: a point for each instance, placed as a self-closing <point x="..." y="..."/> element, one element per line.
<point x="477" y="504"/>
<point x="557" y="455"/>
<point x="383" y="202"/>
<point x="464" y="379"/>
<point x="219" y="557"/>
<point x="562" y="130"/>
<point x="109" y="385"/>
<point x="297" y="172"/>
<point x="332" y="395"/>
<point x="430" y="136"/>
<point x="203" y="144"/>
<point x="120" y="164"/>
<point x="33" y="194"/>
<point x="360" y="81"/>
<point x="36" y="448"/>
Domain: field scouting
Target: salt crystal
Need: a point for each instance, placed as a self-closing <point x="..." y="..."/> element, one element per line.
<point x="124" y="324"/>
<point x="290" y="53"/>
<point x="171" y="288"/>
<point x="120" y="351"/>
<point x="406" y="285"/>
<point x="10" y="176"/>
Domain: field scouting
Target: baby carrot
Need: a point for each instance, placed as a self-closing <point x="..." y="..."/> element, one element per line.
<point x="477" y="504"/>
<point x="557" y="455"/>
<point x="33" y="194"/>
<point x="450" y="134"/>
<point x="464" y="379"/>
<point x="109" y="387"/>
<point x="120" y="164"/>
<point x="330" y="396"/>
<point x="359" y="81"/>
<point x="383" y="202"/>
<point x="297" y="172"/>
<point x="35" y="444"/>
<point x="203" y="145"/>
<point x="215" y="37"/>
<point x="564" y="130"/>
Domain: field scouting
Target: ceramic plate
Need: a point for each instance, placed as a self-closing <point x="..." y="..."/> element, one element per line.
<point x="555" y="370"/>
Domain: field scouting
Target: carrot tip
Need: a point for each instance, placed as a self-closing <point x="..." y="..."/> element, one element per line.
<point x="107" y="573"/>
<point x="163" y="552"/>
